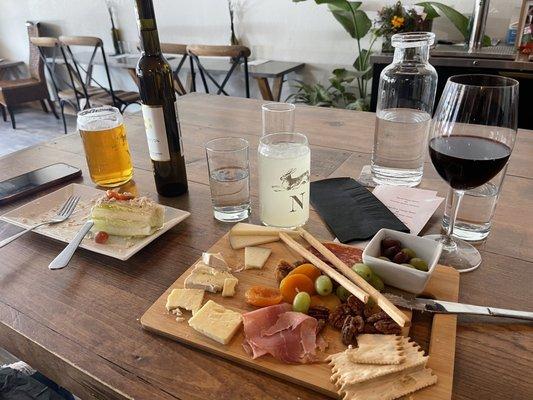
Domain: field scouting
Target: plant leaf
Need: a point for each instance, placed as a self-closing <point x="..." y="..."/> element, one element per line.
<point x="430" y="11"/>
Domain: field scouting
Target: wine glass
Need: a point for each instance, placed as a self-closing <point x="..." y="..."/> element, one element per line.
<point x="471" y="140"/>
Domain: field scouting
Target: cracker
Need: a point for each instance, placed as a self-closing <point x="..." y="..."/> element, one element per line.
<point x="390" y="387"/>
<point x="378" y="349"/>
<point x="346" y="372"/>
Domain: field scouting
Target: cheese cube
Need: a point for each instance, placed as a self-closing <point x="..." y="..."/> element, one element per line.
<point x="188" y="299"/>
<point x="216" y="322"/>
<point x="228" y="290"/>
<point x="255" y="257"/>
<point x="215" y="260"/>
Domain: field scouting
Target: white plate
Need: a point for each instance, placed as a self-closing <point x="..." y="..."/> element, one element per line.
<point x="117" y="247"/>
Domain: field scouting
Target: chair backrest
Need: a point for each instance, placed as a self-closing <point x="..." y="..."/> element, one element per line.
<point x="236" y="53"/>
<point x="178" y="49"/>
<point x="43" y="43"/>
<point x="35" y="63"/>
<point x="174" y="48"/>
<point x="75" y="68"/>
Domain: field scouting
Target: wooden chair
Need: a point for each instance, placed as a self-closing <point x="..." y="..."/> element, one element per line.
<point x="181" y="50"/>
<point x="83" y="87"/>
<point x="34" y="88"/>
<point x="237" y="54"/>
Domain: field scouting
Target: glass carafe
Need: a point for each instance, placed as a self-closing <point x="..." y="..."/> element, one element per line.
<point x="405" y="101"/>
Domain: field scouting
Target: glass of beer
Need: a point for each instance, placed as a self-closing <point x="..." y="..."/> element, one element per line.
<point x="106" y="146"/>
<point x="284" y="161"/>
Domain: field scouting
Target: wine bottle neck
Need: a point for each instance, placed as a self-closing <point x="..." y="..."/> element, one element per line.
<point x="147" y="27"/>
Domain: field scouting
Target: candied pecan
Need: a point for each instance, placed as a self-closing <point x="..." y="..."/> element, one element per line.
<point x="377" y="317"/>
<point x="319" y="312"/>
<point x="356" y="305"/>
<point x="321" y="325"/>
<point x="282" y="270"/>
<point x="351" y="328"/>
<point x="337" y="317"/>
<point x="388" y="327"/>
<point x="369" y="328"/>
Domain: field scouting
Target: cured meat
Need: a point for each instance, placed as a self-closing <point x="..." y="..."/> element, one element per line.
<point x="288" y="336"/>
<point x="347" y="254"/>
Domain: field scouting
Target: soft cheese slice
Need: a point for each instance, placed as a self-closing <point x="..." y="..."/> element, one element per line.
<point x="255" y="257"/>
<point x="240" y="242"/>
<point x="188" y="299"/>
<point x="206" y="278"/>
<point x="245" y="229"/>
<point x="216" y="322"/>
<point x="228" y="290"/>
<point x="215" y="260"/>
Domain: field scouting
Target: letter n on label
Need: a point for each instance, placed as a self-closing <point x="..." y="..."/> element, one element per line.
<point x="298" y="201"/>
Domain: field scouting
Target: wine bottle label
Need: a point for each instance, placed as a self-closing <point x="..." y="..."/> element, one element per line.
<point x="156" y="133"/>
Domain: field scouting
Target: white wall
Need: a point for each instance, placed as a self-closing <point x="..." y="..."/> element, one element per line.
<point x="273" y="29"/>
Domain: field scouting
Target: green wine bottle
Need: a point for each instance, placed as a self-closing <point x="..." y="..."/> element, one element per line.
<point x="159" y="107"/>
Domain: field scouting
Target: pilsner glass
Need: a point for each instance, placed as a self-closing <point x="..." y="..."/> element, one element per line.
<point x="284" y="162"/>
<point x="106" y="146"/>
<point x="471" y="140"/>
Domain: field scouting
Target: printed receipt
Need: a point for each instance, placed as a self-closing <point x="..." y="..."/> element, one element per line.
<point x="414" y="207"/>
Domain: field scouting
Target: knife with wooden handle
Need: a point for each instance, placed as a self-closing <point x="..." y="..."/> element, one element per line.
<point x="448" y="307"/>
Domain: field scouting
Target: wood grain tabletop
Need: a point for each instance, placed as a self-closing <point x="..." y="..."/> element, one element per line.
<point x="79" y="326"/>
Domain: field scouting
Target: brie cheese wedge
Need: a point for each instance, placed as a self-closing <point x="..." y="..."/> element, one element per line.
<point x="206" y="278"/>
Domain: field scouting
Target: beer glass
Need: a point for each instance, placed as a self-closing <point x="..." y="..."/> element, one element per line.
<point x="106" y="146"/>
<point x="284" y="161"/>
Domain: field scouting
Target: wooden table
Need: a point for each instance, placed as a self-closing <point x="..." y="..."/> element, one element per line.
<point x="80" y="325"/>
<point x="274" y="70"/>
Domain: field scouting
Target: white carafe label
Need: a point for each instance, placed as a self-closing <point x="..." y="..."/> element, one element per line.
<point x="156" y="132"/>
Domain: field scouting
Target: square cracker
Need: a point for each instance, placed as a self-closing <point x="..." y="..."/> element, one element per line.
<point x="390" y="387"/>
<point x="346" y="372"/>
<point x="378" y="349"/>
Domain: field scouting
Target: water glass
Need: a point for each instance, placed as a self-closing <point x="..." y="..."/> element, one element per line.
<point x="229" y="178"/>
<point x="278" y="117"/>
<point x="284" y="161"/>
<point x="474" y="218"/>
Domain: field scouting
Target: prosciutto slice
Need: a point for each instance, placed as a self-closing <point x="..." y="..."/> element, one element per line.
<point x="288" y="336"/>
<point x="347" y="254"/>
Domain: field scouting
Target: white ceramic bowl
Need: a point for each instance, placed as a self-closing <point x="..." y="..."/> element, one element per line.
<point x="397" y="275"/>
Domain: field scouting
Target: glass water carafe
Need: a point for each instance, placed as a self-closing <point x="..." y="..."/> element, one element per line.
<point x="405" y="101"/>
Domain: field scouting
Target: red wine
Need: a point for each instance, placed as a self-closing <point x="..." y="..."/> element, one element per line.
<point x="466" y="162"/>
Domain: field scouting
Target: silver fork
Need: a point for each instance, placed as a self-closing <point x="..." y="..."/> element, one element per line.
<point x="64" y="213"/>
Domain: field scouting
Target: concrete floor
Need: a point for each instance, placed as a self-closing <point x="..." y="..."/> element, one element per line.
<point x="34" y="126"/>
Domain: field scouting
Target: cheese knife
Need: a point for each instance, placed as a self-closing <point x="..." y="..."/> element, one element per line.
<point x="448" y="307"/>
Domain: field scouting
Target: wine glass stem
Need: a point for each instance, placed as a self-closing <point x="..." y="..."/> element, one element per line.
<point x="456" y="196"/>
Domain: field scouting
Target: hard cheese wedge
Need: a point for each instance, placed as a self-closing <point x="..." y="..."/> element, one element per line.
<point x="240" y="242"/>
<point x="255" y="257"/>
<point x="244" y="229"/>
<point x="188" y="299"/>
<point x="216" y="322"/>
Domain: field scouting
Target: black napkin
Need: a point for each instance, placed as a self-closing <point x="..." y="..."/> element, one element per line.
<point x="350" y="210"/>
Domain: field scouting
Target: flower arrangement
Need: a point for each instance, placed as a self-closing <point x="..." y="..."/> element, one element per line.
<point x="398" y="18"/>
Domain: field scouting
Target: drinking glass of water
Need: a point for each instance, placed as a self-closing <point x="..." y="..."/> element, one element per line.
<point x="278" y="117"/>
<point x="229" y="178"/>
<point x="284" y="162"/>
<point x="406" y="96"/>
<point x="474" y="218"/>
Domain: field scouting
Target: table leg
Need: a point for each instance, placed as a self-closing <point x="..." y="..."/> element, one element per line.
<point x="264" y="88"/>
<point x="278" y="86"/>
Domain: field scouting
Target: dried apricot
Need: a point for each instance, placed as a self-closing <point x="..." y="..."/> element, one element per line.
<point x="307" y="269"/>
<point x="263" y="296"/>
<point x="331" y="302"/>
<point x="293" y="284"/>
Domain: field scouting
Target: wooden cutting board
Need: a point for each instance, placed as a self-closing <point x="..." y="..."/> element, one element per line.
<point x="444" y="285"/>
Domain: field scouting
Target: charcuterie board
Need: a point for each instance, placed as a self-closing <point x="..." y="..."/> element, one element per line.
<point x="444" y="285"/>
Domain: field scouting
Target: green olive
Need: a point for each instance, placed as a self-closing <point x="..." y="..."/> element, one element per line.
<point x="342" y="293"/>
<point x="410" y="252"/>
<point x="384" y="258"/>
<point x="408" y="265"/>
<point x="377" y="282"/>
<point x="363" y="271"/>
<point x="419" y="264"/>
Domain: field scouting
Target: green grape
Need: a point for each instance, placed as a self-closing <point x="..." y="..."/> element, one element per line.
<point x="323" y="285"/>
<point x="384" y="258"/>
<point x="363" y="271"/>
<point x="342" y="293"/>
<point x="419" y="264"/>
<point x="377" y="282"/>
<point x="301" y="302"/>
<point x="410" y="252"/>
